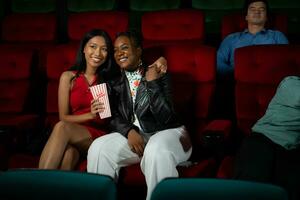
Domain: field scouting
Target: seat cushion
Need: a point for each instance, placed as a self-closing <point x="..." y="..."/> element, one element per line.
<point x="52" y="184"/>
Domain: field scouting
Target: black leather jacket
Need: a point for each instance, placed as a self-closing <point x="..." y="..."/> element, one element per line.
<point x="153" y="106"/>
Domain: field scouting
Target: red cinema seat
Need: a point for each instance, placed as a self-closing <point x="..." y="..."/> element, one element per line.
<point x="110" y="21"/>
<point x="17" y="119"/>
<point x="30" y="31"/>
<point x="172" y="26"/>
<point x="236" y="22"/>
<point x="35" y="33"/>
<point x="258" y="71"/>
<point x="29" y="27"/>
<point x="59" y="59"/>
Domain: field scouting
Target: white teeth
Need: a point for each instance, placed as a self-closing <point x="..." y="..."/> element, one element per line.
<point x="96" y="59"/>
<point x="122" y="59"/>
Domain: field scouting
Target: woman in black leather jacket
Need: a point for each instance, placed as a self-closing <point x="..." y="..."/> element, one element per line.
<point x="152" y="106"/>
<point x="144" y="122"/>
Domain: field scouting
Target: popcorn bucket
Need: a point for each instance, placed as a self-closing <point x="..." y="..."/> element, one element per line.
<point x="100" y="92"/>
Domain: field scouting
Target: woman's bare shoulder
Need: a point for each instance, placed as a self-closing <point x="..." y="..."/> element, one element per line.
<point x="67" y="75"/>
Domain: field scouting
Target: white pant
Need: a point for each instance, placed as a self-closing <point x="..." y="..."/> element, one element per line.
<point x="163" y="152"/>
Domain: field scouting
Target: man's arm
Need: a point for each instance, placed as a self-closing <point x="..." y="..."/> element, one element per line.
<point x="281" y="38"/>
<point x="223" y="57"/>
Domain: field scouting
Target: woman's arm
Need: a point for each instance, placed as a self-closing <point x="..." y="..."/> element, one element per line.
<point x="160" y="98"/>
<point x="64" y="103"/>
<point x="156" y="92"/>
<point x="157" y="69"/>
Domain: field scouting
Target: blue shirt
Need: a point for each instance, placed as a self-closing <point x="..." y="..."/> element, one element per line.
<point x="225" y="54"/>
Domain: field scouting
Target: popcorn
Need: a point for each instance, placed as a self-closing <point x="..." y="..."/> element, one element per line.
<point x="100" y="92"/>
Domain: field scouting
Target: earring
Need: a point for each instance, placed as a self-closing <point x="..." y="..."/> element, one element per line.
<point x="140" y="63"/>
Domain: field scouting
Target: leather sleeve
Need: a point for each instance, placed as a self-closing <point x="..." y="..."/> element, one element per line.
<point x="156" y="97"/>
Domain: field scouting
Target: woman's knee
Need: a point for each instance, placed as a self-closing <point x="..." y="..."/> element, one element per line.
<point x="160" y="140"/>
<point x="156" y="149"/>
<point x="153" y="155"/>
<point x="167" y="146"/>
<point x="164" y="141"/>
<point x="61" y="129"/>
<point x="94" y="148"/>
<point x="72" y="152"/>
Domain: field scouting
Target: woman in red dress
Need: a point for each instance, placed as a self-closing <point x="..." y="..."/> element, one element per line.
<point x="79" y="121"/>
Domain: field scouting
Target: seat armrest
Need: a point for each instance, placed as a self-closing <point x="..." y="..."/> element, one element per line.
<point x="218" y="129"/>
<point x="215" y="136"/>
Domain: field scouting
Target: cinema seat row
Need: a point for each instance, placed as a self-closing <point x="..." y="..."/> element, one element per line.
<point x="256" y="80"/>
<point x="43" y="184"/>
<point x="213" y="11"/>
<point x="32" y="59"/>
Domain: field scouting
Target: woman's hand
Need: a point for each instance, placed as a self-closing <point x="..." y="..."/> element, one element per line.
<point x="157" y="69"/>
<point x="136" y="142"/>
<point x="96" y="107"/>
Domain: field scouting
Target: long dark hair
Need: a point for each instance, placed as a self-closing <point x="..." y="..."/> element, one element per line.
<point x="108" y="69"/>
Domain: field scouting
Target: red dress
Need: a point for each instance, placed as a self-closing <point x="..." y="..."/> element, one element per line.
<point x="80" y="102"/>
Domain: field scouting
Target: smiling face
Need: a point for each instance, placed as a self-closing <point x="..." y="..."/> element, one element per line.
<point x="127" y="55"/>
<point x="95" y="52"/>
<point x="257" y="13"/>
